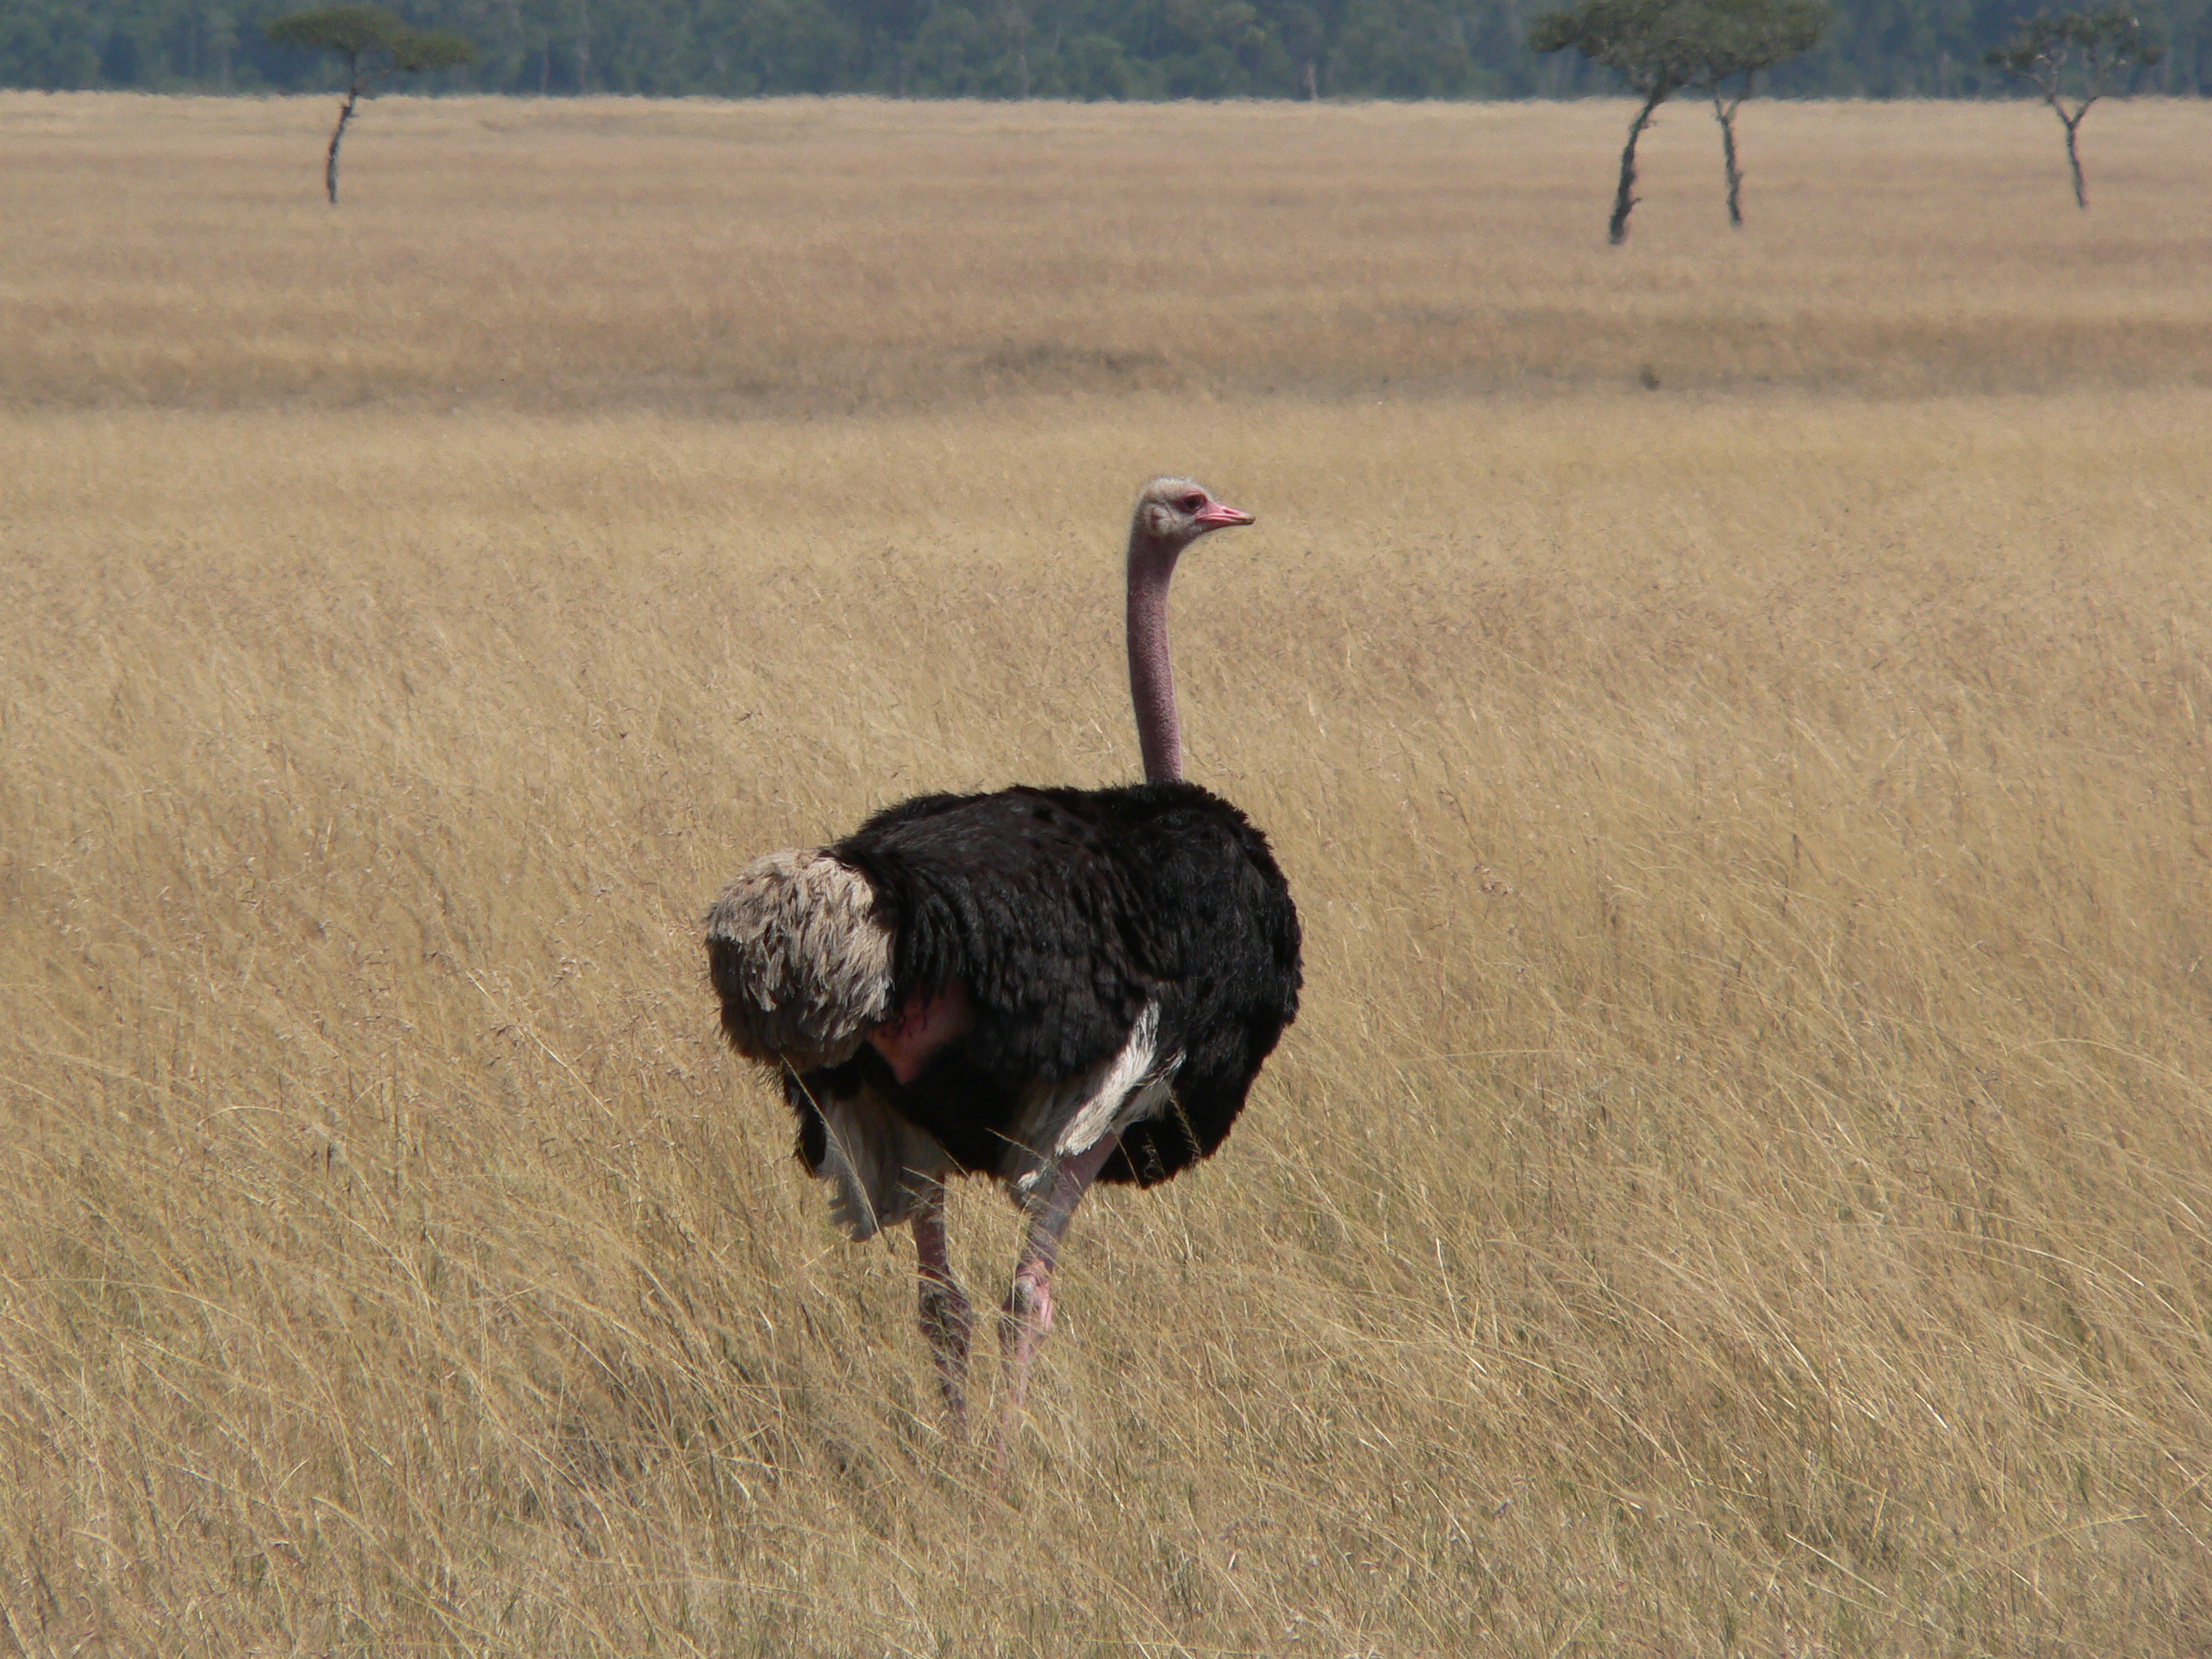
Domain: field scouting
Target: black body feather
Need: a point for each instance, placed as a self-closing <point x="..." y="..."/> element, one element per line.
<point x="1063" y="913"/>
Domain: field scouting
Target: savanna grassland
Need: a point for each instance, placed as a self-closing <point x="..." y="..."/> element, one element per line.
<point x="1734" y="711"/>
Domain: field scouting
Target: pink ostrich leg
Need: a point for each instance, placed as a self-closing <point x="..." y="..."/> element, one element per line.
<point x="947" y="1321"/>
<point x="1028" y="1312"/>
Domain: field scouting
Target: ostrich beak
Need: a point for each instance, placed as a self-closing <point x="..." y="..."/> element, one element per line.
<point x="1219" y="515"/>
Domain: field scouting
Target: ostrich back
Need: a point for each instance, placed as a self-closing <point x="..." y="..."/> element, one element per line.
<point x="1067" y="914"/>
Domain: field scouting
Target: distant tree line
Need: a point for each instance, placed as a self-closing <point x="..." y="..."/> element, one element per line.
<point x="1011" y="48"/>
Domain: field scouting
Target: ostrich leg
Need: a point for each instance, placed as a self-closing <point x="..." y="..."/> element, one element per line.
<point x="946" y="1318"/>
<point x="1028" y="1312"/>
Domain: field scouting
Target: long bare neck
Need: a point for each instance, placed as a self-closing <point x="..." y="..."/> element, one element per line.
<point x="1152" y="675"/>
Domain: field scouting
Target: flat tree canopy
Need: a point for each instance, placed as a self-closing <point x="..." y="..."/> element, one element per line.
<point x="1742" y="37"/>
<point x="373" y="41"/>
<point x="1658" y="46"/>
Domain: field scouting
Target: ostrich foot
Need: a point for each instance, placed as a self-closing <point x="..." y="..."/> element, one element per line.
<point x="947" y="1321"/>
<point x="1028" y="1315"/>
<point x="1024" y="1323"/>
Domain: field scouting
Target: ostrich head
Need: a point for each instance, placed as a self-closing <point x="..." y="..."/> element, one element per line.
<point x="1172" y="513"/>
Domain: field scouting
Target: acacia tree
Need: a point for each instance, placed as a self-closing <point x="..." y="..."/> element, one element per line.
<point x="376" y="46"/>
<point x="1744" y="39"/>
<point x="2077" y="54"/>
<point x="1662" y="46"/>
<point x="1658" y="46"/>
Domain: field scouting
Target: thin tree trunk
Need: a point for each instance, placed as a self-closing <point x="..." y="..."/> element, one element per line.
<point x="1625" y="198"/>
<point x="1312" y="92"/>
<point x="2073" y="159"/>
<point x="1726" y="115"/>
<point x="337" y="135"/>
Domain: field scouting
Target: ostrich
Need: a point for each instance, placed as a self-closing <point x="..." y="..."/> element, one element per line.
<point x="1048" y="986"/>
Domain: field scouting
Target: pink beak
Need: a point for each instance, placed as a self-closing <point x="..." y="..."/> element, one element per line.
<point x="1219" y="515"/>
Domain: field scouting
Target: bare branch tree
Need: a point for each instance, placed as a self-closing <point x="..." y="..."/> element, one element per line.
<point x="376" y="46"/>
<point x="2076" y="57"/>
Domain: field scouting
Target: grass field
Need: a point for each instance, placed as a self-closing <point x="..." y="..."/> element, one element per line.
<point x="1742" y="1182"/>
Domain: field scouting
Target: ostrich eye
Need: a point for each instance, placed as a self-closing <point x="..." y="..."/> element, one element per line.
<point x="1192" y="503"/>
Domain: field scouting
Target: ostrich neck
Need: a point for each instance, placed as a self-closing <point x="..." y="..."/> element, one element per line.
<point x="1152" y="675"/>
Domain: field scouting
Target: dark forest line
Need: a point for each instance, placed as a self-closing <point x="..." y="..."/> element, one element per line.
<point x="1011" y="48"/>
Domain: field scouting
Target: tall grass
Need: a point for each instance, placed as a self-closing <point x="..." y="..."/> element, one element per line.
<point x="1739" y="1184"/>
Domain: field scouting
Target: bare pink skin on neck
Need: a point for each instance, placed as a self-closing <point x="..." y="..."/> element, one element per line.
<point x="1152" y="673"/>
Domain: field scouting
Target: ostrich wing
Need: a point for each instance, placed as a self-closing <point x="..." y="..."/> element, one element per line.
<point x="1021" y="897"/>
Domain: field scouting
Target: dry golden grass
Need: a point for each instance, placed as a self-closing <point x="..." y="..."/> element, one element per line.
<point x="1741" y="1182"/>
<point x="829" y="257"/>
